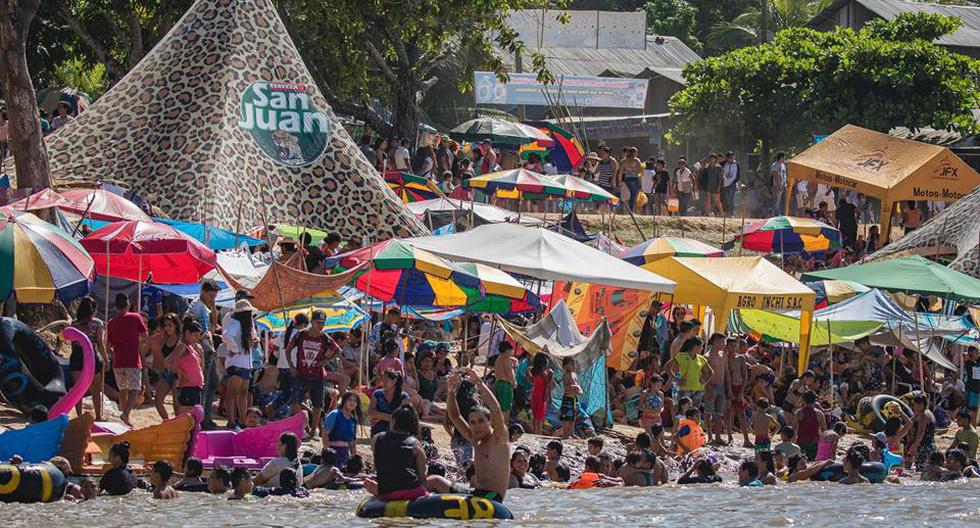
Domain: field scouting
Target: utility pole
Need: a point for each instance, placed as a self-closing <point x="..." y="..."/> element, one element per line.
<point x="764" y="22"/>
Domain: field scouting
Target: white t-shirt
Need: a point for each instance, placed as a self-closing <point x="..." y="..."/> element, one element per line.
<point x="281" y="362"/>
<point x="273" y="468"/>
<point x="685" y="183"/>
<point x="231" y="338"/>
<point x="402" y="159"/>
<point x="647" y="179"/>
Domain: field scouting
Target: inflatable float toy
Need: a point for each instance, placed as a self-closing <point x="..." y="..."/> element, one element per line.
<point x="438" y="506"/>
<point x="75" y="444"/>
<point x="80" y="388"/>
<point x="248" y="448"/>
<point x="172" y="440"/>
<point x="31" y="378"/>
<point x="31" y="483"/>
<point x="874" y="411"/>
<point x="873" y="471"/>
<point x="36" y="442"/>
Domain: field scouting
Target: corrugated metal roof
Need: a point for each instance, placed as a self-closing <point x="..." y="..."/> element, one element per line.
<point x="664" y="56"/>
<point x="967" y="36"/>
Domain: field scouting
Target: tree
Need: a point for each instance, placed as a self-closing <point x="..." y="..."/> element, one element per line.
<point x="675" y="18"/>
<point x="746" y="28"/>
<point x="373" y="55"/>
<point x="887" y="74"/>
<point x="76" y="73"/>
<point x="30" y="159"/>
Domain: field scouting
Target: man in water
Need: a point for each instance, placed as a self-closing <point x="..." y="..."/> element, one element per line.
<point x="486" y="429"/>
<point x="738" y="375"/>
<point x="716" y="390"/>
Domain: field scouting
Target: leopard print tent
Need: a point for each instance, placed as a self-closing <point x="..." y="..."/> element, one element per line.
<point x="222" y="118"/>
<point x="955" y="231"/>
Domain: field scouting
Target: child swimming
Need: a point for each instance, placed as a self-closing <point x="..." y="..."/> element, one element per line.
<point x="241" y="484"/>
<point x="160" y="480"/>
<point x="852" y="466"/>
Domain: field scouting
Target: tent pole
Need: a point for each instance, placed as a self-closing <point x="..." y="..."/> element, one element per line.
<point x="139" y="284"/>
<point x="830" y="350"/>
<point x="918" y="345"/>
<point x="107" y="264"/>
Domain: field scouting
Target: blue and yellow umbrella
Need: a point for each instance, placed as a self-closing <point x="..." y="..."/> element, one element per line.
<point x="342" y="315"/>
<point x="39" y="262"/>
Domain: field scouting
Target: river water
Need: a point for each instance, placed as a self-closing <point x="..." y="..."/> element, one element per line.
<point x="807" y="504"/>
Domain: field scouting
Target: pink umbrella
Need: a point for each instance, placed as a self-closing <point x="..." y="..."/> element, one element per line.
<point x="99" y="204"/>
<point x="136" y="251"/>
<point x="42" y="199"/>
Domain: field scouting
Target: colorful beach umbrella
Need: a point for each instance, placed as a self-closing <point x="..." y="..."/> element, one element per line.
<point x="411" y="188"/>
<point x="406" y="275"/>
<point x="40" y="262"/>
<point x="526" y="182"/>
<point x="500" y="132"/>
<point x="137" y="251"/>
<point x="668" y="246"/>
<point x="42" y="199"/>
<point x="502" y="293"/>
<point x="787" y="234"/>
<point x="342" y="315"/>
<point x="99" y="204"/>
<point x="566" y="152"/>
<point x="830" y="291"/>
<point x="584" y="191"/>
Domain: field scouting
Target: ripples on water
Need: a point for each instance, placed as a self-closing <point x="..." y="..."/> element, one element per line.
<point x="809" y="504"/>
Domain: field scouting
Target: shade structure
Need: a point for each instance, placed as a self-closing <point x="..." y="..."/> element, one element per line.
<point x="490" y="214"/>
<point x="912" y="275"/>
<point x="293" y="232"/>
<point x="211" y="236"/>
<point x="787" y="234"/>
<point x="521" y="180"/>
<point x="886" y="167"/>
<point x="500" y="132"/>
<point x="406" y="275"/>
<point x="834" y="291"/>
<point x="566" y="152"/>
<point x="410" y="187"/>
<point x="42" y="199"/>
<point x="99" y="204"/>
<point x="663" y="247"/>
<point x="502" y="294"/>
<point x="581" y="190"/>
<point x="728" y="283"/>
<point x="541" y="254"/>
<point x="342" y="315"/>
<point x="137" y="251"/>
<point x="39" y="262"/>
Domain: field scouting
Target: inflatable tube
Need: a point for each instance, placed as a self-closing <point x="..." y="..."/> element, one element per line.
<point x="31" y="378"/>
<point x="873" y="471"/>
<point x="343" y="486"/>
<point x="36" y="442"/>
<point x="31" y="483"/>
<point x="81" y="386"/>
<point x="881" y="415"/>
<point x="440" y="506"/>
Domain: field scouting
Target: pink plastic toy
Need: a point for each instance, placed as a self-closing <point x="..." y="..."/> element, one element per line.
<point x="80" y="388"/>
<point x="250" y="448"/>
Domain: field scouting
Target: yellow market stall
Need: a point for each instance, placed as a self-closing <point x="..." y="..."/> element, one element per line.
<point x="886" y="167"/>
<point x="728" y="283"/>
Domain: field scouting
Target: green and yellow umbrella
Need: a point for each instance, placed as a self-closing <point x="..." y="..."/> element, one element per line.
<point x="342" y="315"/>
<point x="39" y="262"/>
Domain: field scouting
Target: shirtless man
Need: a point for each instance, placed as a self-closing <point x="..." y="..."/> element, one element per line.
<point x="738" y="375"/>
<point x="688" y="329"/>
<point x="504" y="368"/>
<point x="716" y="390"/>
<point x="486" y="429"/>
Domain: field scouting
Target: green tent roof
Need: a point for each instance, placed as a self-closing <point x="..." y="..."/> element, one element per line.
<point x="911" y="275"/>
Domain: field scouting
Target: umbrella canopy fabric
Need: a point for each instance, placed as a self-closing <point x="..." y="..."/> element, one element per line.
<point x="787" y="234"/>
<point x="136" y="251"/>
<point x="566" y="152"/>
<point x="541" y="254"/>
<point x="42" y="199"/>
<point x="490" y="213"/>
<point x="407" y="275"/>
<point x="503" y="294"/>
<point x="668" y="246"/>
<point x="99" y="204"/>
<point x="521" y="180"/>
<point x="342" y="315"/>
<point x="213" y="237"/>
<point x="411" y="188"/>
<point x="500" y="132"/>
<point x="912" y="275"/>
<point x="834" y="291"/>
<point x="295" y="232"/>
<point x="578" y="189"/>
<point x="39" y="262"/>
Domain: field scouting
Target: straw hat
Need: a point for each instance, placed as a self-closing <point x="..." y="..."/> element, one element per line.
<point x="242" y="305"/>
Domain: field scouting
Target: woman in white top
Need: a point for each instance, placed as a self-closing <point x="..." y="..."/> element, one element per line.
<point x="238" y="337"/>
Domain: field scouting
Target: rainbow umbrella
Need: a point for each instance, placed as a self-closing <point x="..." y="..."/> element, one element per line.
<point x="585" y="191"/>
<point x="523" y="181"/>
<point x="342" y="315"/>
<point x="406" y="275"/>
<point x="668" y="246"/>
<point x="411" y="188"/>
<point x="787" y="234"/>
<point x="566" y="152"/>
<point x="503" y="294"/>
<point x="40" y="262"/>
<point x="831" y="291"/>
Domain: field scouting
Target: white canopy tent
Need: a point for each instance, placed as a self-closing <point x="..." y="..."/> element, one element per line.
<point x="541" y="254"/>
<point x="490" y="213"/>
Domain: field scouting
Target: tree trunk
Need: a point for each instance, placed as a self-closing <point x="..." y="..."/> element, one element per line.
<point x="405" y="112"/>
<point x="30" y="158"/>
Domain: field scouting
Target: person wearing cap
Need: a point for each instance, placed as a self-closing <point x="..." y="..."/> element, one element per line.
<point x="313" y="350"/>
<point x="126" y="335"/>
<point x="204" y="311"/>
<point x="239" y="337"/>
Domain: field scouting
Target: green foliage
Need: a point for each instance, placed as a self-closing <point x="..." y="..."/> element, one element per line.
<point x="912" y="26"/>
<point x="76" y="73"/>
<point x="675" y="18"/>
<point x="806" y="81"/>
<point x="746" y="28"/>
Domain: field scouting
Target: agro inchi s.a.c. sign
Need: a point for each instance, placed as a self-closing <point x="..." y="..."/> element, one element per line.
<point x="284" y="122"/>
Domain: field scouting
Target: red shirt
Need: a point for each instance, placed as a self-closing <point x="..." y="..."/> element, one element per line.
<point x="123" y="335"/>
<point x="310" y="353"/>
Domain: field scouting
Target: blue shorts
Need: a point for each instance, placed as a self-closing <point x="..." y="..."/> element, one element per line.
<point x="244" y="373"/>
<point x="972" y="399"/>
<point x="315" y="387"/>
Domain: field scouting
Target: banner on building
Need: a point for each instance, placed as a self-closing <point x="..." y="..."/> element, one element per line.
<point x="524" y="89"/>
